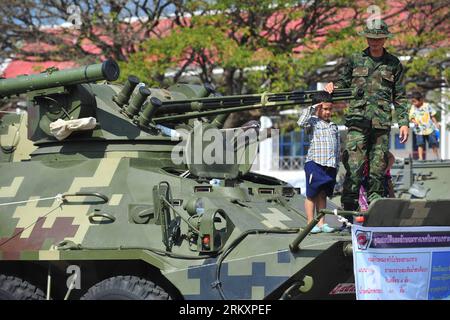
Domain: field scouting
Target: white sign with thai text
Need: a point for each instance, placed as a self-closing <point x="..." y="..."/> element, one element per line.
<point x="399" y="263"/>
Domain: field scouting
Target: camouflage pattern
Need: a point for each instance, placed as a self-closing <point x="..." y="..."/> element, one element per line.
<point x="362" y="141"/>
<point x="382" y="84"/>
<point x="35" y="230"/>
<point x="108" y="202"/>
<point x="369" y="119"/>
<point x="408" y="213"/>
<point x="377" y="30"/>
<point x="49" y="231"/>
<point x="96" y="201"/>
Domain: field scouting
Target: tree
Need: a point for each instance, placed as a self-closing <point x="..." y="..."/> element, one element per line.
<point x="273" y="30"/>
<point x="424" y="39"/>
<point x="81" y="30"/>
<point x="255" y="43"/>
<point x="260" y="45"/>
<point x="204" y="47"/>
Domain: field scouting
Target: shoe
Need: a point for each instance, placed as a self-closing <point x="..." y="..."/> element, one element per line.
<point x="316" y="229"/>
<point x="327" y="229"/>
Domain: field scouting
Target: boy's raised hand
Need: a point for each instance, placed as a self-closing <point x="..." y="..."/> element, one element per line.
<point x="317" y="109"/>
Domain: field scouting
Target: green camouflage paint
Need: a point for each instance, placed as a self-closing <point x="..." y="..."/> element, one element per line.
<point x="369" y="119"/>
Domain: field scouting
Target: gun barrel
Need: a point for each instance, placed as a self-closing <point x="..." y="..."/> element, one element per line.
<point x="108" y="70"/>
<point x="226" y="109"/>
<point x="210" y="103"/>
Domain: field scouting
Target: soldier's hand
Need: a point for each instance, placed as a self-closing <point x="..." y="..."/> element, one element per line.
<point x="404" y="133"/>
<point x="329" y="87"/>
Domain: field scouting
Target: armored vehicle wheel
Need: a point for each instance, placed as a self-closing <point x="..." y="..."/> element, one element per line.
<point x="126" y="288"/>
<point x="12" y="288"/>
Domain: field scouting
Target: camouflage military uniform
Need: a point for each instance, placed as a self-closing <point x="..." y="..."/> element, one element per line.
<point x="369" y="120"/>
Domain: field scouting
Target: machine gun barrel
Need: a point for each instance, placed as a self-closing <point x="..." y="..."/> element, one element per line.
<point x="201" y="104"/>
<point x="243" y="103"/>
<point x="108" y="70"/>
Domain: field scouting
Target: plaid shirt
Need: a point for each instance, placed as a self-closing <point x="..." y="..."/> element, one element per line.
<point x="324" y="137"/>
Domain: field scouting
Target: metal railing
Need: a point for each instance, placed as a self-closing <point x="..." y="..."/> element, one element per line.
<point x="291" y="162"/>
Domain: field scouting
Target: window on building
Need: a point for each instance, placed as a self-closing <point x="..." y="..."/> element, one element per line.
<point x="293" y="149"/>
<point x="293" y="144"/>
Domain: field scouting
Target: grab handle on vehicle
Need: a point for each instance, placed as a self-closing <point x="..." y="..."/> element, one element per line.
<point x="93" y="218"/>
<point x="102" y="197"/>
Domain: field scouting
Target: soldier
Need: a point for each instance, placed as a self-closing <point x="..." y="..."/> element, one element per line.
<point x="379" y="74"/>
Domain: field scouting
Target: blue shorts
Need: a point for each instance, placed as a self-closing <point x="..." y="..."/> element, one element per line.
<point x="431" y="138"/>
<point x="319" y="178"/>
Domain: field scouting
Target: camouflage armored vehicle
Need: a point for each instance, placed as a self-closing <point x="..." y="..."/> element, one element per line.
<point x="414" y="179"/>
<point x="428" y="179"/>
<point x="113" y="203"/>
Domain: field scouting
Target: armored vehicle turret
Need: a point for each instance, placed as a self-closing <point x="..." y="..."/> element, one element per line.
<point x="138" y="193"/>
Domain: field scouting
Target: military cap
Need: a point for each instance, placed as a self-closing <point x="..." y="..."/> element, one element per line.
<point x="377" y="30"/>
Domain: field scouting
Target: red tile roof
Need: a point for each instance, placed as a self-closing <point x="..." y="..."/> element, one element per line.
<point x="19" y="67"/>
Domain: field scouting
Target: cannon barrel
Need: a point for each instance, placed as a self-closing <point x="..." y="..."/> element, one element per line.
<point x="108" y="70"/>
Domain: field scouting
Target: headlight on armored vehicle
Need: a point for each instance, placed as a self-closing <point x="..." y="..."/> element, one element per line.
<point x="195" y="206"/>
